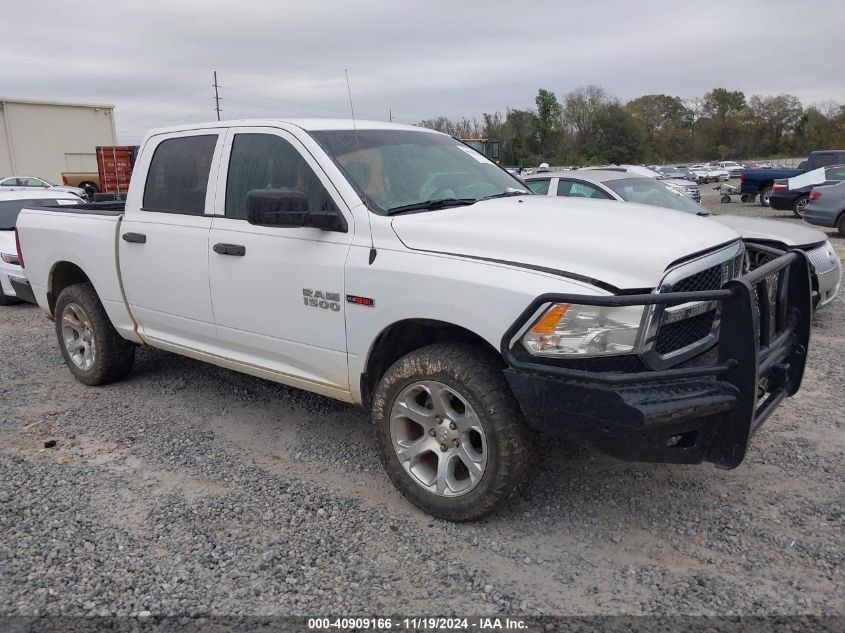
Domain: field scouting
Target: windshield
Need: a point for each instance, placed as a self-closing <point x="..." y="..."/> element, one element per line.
<point x="395" y="168"/>
<point x="9" y="209"/>
<point x="647" y="191"/>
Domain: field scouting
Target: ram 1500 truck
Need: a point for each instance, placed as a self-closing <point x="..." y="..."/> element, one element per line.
<point x="755" y="182"/>
<point x="397" y="268"/>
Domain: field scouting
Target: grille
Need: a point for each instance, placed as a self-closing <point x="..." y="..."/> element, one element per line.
<point x="819" y="259"/>
<point x="709" y="279"/>
<point x="769" y="289"/>
<point x="674" y="336"/>
<point x="677" y="335"/>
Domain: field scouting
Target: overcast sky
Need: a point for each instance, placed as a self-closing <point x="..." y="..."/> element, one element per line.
<point x="154" y="59"/>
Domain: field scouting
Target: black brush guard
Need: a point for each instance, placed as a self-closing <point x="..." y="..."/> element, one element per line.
<point x="686" y="414"/>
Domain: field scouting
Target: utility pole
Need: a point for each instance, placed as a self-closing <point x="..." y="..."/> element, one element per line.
<point x="216" y="96"/>
<point x="390" y="111"/>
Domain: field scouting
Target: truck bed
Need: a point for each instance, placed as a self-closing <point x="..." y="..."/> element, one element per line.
<point x="63" y="239"/>
<point x="90" y="208"/>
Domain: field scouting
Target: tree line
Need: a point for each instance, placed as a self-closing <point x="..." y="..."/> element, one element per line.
<point x="590" y="126"/>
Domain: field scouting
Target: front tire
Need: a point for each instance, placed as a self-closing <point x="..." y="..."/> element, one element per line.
<point x="798" y="206"/>
<point x="93" y="350"/>
<point x="450" y="433"/>
<point x="765" y="192"/>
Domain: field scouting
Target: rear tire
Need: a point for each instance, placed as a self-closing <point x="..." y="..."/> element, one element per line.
<point x="725" y="199"/>
<point x="93" y="350"/>
<point x="765" y="192"/>
<point x="449" y="411"/>
<point x="799" y="204"/>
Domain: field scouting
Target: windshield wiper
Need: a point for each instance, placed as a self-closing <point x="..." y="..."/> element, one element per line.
<point x="705" y="213"/>
<point x="426" y="205"/>
<point x="507" y="194"/>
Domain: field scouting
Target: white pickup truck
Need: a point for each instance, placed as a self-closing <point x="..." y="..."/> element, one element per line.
<point x="397" y="268"/>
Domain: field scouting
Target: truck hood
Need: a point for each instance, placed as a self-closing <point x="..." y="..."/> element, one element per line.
<point x="771" y="230"/>
<point x="621" y="244"/>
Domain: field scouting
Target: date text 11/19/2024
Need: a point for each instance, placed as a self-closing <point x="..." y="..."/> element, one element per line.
<point x="418" y="624"/>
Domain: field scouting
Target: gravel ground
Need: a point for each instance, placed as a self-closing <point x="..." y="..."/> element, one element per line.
<point x="192" y="490"/>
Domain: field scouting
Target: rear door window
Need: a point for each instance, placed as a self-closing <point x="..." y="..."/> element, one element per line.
<point x="177" y="181"/>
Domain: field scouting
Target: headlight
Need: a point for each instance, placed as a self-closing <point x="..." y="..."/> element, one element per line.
<point x="580" y="330"/>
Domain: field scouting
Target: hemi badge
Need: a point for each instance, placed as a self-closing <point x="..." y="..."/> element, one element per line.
<point x="361" y="301"/>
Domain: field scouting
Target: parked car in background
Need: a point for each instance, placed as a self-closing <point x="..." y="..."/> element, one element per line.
<point x="733" y="168"/>
<point x="614" y="185"/>
<point x="679" y="185"/>
<point x="701" y="173"/>
<point x="826" y="207"/>
<point x="393" y="267"/>
<point x="34" y="183"/>
<point x="783" y="198"/>
<point x="12" y="201"/>
<point x="89" y="181"/>
<point x="678" y="173"/>
<point x="718" y="173"/>
<point x="708" y="172"/>
<point x="759" y="182"/>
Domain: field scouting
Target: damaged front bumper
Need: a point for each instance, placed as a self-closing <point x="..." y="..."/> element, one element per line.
<point x="689" y="414"/>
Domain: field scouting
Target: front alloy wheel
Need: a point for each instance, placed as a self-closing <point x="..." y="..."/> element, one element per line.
<point x="449" y="431"/>
<point x="438" y="438"/>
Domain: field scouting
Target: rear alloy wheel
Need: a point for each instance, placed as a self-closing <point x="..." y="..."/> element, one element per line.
<point x="798" y="206"/>
<point x="765" y="192"/>
<point x="450" y="434"/>
<point x="93" y="350"/>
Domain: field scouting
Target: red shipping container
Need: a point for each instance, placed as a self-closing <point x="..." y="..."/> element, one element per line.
<point x="115" y="166"/>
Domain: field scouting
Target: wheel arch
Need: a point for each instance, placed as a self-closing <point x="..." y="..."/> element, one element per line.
<point x="403" y="337"/>
<point x="63" y="274"/>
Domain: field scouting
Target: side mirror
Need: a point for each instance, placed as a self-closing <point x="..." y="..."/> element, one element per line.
<point x="289" y="208"/>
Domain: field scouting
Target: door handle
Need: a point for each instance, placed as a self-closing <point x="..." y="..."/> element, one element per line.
<point x="135" y="238"/>
<point x="230" y="249"/>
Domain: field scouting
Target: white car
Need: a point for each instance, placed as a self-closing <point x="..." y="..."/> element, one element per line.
<point x="31" y="182"/>
<point x="11" y="202"/>
<point x="394" y="267"/>
<point x="733" y="168"/>
<point x="708" y="173"/>
<point x="719" y="173"/>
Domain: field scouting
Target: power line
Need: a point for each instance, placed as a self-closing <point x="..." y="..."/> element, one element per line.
<point x="146" y="104"/>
